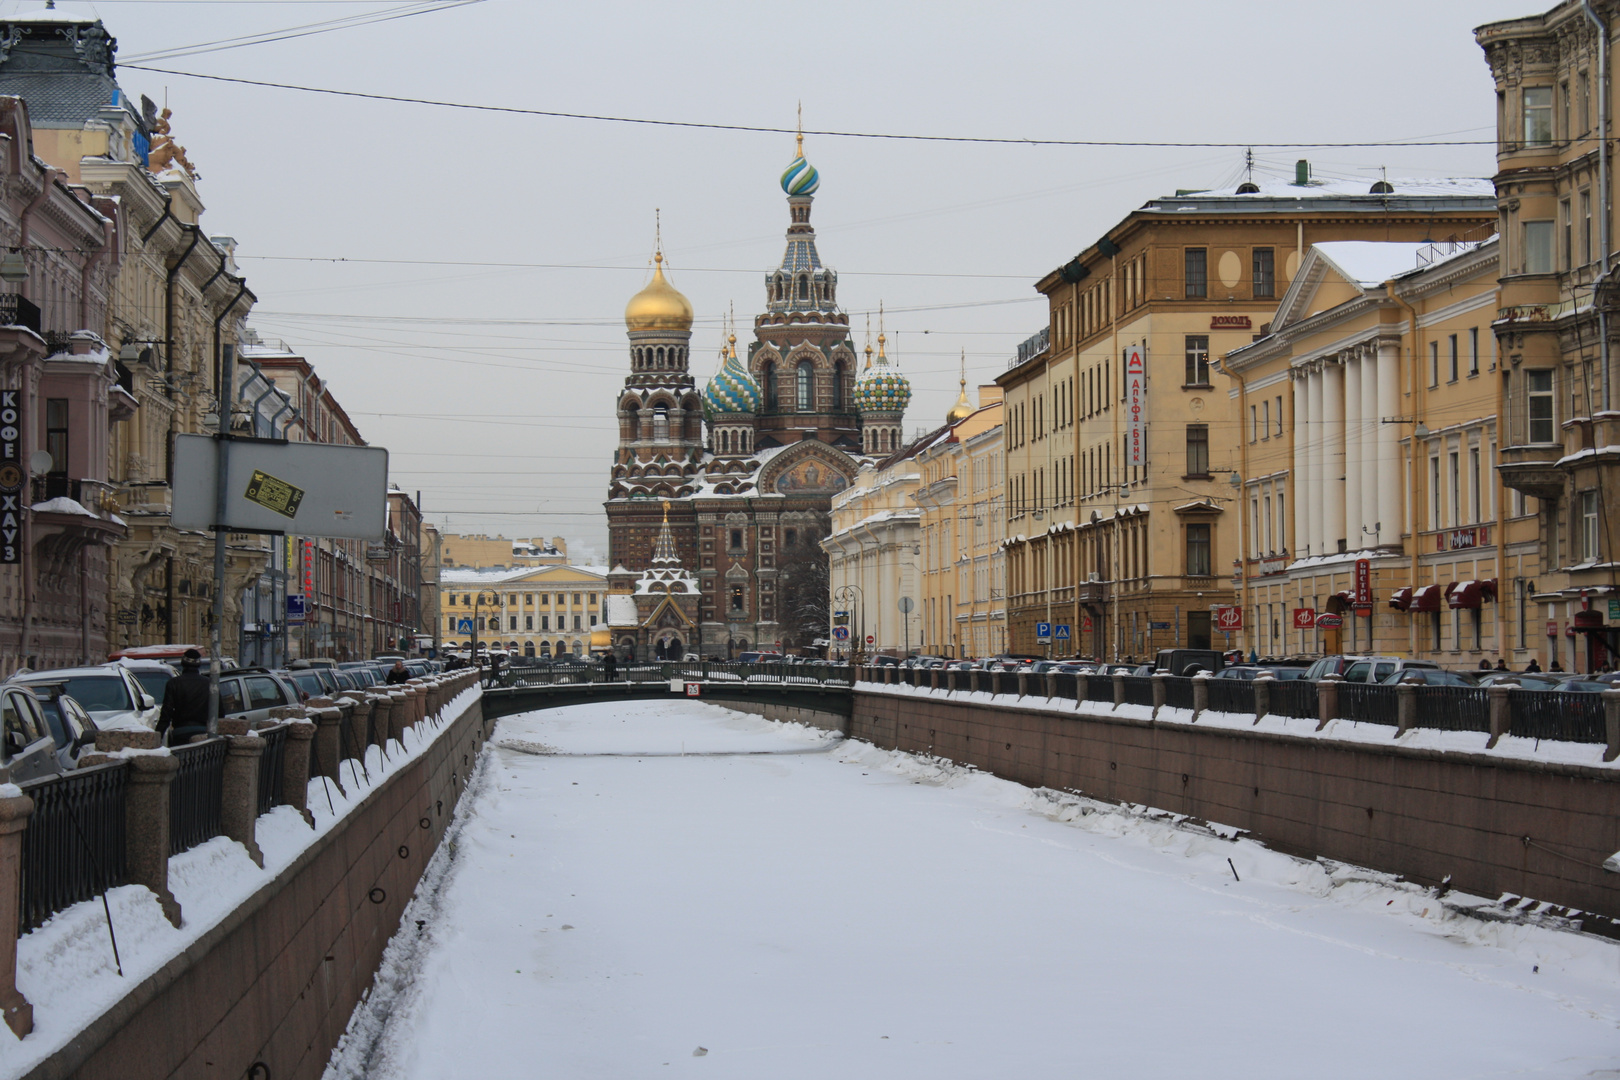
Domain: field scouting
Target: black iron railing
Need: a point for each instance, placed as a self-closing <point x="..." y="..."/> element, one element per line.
<point x="73" y="848"/>
<point x="1368" y="702"/>
<point x="1454" y="708"/>
<point x="1064" y="685"/>
<point x="19" y="311"/>
<point x="1101" y="688"/>
<point x="272" y="781"/>
<point x="1297" y="698"/>
<point x="1178" y="692"/>
<point x="194" y="798"/>
<point x="1138" y="690"/>
<point x="694" y="671"/>
<point x="1551" y="714"/>
<point x="1231" y="695"/>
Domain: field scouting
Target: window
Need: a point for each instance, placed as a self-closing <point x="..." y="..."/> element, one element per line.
<point x="1198" y="553"/>
<point x="1265" y="419"/>
<point x="1474" y="506"/>
<point x="840" y="373"/>
<point x="1563" y="110"/>
<point x="528" y="622"/>
<point x="1473" y="350"/>
<point x="736" y="539"/>
<point x="1541" y="405"/>
<point x="1538" y="118"/>
<point x="513" y="624"/>
<point x="737" y="598"/>
<point x="1434" y="363"/>
<point x="1453" y="344"/>
<point x="1434" y="493"/>
<point x="1566" y="218"/>
<point x="1586" y="227"/>
<point x="1197" y="360"/>
<point x="1589" y="525"/>
<point x="593" y="599"/>
<point x="1538" y="247"/>
<point x="545" y="622"/>
<point x="576" y="599"/>
<point x="1265" y="272"/>
<point x="1197" y="272"/>
<point x="1197" y="449"/>
<point x="56" y="434"/>
<point x="1586" y="103"/>
<point x="1254" y="423"/>
<point x="1456" y="489"/>
<point x="769" y="372"/>
<point x="576" y="623"/>
<point x="1279" y="415"/>
<point x="807" y="381"/>
<point x="661" y="424"/>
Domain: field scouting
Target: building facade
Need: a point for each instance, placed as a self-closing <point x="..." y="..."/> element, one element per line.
<point x="541" y="611"/>
<point x="1379" y="505"/>
<point x="1120" y="444"/>
<point x="962" y="561"/>
<point x="873" y="551"/>
<point x="787" y="427"/>
<point x="480" y="552"/>
<point x="1560" y="310"/>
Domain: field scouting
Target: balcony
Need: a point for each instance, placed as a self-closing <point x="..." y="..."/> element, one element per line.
<point x="18" y="310"/>
<point x="90" y="494"/>
<point x="1533" y="469"/>
<point x="1092" y="592"/>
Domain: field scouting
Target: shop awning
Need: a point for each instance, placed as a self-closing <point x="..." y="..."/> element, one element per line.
<point x="1470" y="594"/>
<point x="1341" y="602"/>
<point x="1401" y="600"/>
<point x="1425" y="598"/>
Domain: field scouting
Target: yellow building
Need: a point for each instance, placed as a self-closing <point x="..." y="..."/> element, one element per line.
<point x="1556" y="325"/>
<point x="1383" y="355"/>
<point x="962" y="562"/>
<point x="1120" y="443"/>
<point x="530" y="611"/>
<point x="872" y="552"/>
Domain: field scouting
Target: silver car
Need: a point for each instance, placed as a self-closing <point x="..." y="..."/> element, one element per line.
<point x="27" y="751"/>
<point x="109" y="693"/>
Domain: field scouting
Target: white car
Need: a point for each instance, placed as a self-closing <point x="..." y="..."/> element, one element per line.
<point x="109" y="693"/>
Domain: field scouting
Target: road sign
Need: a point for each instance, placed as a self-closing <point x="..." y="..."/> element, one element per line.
<point x="1062" y="631"/>
<point x="1228" y="618"/>
<point x="870" y="639"/>
<point x="1614" y="610"/>
<point x="1043" y="633"/>
<point x="1151" y="625"/>
<point x="692" y="689"/>
<point x="840" y="633"/>
<point x="312" y="489"/>
<point x="295" y="609"/>
<point x="1304" y="618"/>
<point x="1329" y="621"/>
<point x="840" y="618"/>
<point x="907" y="605"/>
<point x="464" y="626"/>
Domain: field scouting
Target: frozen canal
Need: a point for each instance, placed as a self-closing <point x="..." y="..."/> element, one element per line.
<point x="670" y="889"/>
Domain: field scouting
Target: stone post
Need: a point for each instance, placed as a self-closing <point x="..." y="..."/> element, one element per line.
<point x="888" y="675"/>
<point x="295" y="775"/>
<point x="1406" y="705"/>
<point x="382" y="712"/>
<point x="239" y="792"/>
<point x="1611" y="719"/>
<point x="146" y="826"/>
<point x="1082" y="689"/>
<point x="1051" y="685"/>
<point x="399" y="718"/>
<point x="1200" y="696"/>
<point x="1327" y="700"/>
<point x="1160" y="691"/>
<point x="1119" y="689"/>
<point x="950" y="680"/>
<point x="1023" y="683"/>
<point x="973" y="681"/>
<point x="933" y="678"/>
<point x="1262" y="697"/>
<point x="1501" y="711"/>
<point x="14" y="812"/>
<point x="359" y="721"/>
<point x="328" y="745"/>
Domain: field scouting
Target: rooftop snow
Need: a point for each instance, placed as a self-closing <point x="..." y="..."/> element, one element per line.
<point x="1371" y="262"/>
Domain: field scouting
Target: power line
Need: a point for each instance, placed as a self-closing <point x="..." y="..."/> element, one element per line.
<point x="604" y="266"/>
<point x="765" y="130"/>
<point x="325" y="26"/>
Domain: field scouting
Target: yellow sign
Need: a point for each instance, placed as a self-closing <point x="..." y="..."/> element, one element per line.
<point x="273" y="494"/>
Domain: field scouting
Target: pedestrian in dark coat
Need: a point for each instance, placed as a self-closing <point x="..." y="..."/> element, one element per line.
<point x="399" y="673"/>
<point x="610" y="667"/>
<point x="185" y="702"/>
<point x="1532" y="665"/>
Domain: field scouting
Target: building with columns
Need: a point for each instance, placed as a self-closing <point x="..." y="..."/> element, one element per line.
<point x="1556" y="330"/>
<point x="1121" y="442"/>
<point x="1385" y="357"/>
<point x="789" y="422"/>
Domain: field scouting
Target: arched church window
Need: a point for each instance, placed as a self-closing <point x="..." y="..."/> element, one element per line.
<point x="769" y="372"/>
<point x="660" y="355"/>
<point x="736" y="598"/>
<point x="661" y="424"/>
<point x="804" y="287"/>
<point x="840" y="373"/>
<point x="806" y="385"/>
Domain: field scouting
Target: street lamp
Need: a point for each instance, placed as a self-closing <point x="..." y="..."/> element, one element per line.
<point x="485" y="596"/>
<point x="844" y="594"/>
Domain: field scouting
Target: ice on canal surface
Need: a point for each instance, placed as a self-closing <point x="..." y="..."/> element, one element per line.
<point x="652" y="889"/>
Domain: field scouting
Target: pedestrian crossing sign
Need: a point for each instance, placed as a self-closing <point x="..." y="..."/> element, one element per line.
<point x="464" y="626"/>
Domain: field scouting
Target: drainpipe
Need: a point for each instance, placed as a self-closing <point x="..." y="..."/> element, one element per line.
<point x="1243" y="507"/>
<point x="168" y="212"/>
<point x="1412" y="447"/>
<point x="30" y="423"/>
<point x="1603" y="185"/>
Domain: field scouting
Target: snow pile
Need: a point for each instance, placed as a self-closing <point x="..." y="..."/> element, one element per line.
<point x="65" y="968"/>
<point x="752" y="909"/>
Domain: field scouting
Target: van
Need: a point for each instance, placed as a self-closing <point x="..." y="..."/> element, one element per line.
<point x="1188" y="661"/>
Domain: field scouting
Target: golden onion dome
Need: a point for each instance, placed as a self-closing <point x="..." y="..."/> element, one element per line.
<point x="961" y="410"/>
<point x="660" y="306"/>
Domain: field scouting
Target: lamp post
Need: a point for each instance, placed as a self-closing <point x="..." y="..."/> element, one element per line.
<point x="485" y="596"/>
<point x="844" y="594"/>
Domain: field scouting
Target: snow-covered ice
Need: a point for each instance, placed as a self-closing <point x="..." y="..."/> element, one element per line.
<point x="654" y="889"/>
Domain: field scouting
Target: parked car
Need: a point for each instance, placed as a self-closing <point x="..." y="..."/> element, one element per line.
<point x="71" y="728"/>
<point x="27" y="751"/>
<point x="109" y="693"/>
<point x="1430" y="677"/>
<point x="1525" y="680"/>
<point x="153" y="675"/>
<point x="250" y="693"/>
<point x="758" y="657"/>
<point x="1189" y="661"/>
<point x="1377" y="668"/>
<point x="1585" y="685"/>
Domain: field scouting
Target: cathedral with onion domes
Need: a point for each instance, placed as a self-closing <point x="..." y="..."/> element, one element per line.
<point x="718" y="499"/>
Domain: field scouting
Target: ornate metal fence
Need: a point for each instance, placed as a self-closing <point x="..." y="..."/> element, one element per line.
<point x="1138" y="690"/>
<point x="1552" y="714"/>
<point x="1454" y="708"/>
<point x="1231" y="696"/>
<point x="1368" y="702"/>
<point x="272" y="782"/>
<point x="73" y="848"/>
<point x="1101" y="688"/>
<point x="1178" y="692"/>
<point x="1295" y="697"/>
<point x="1064" y="685"/>
<point x="194" y="798"/>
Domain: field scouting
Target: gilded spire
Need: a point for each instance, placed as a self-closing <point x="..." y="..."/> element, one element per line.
<point x="961" y="410"/>
<point x="868" y="341"/>
<point x="659" y="306"/>
<point x="882" y="358"/>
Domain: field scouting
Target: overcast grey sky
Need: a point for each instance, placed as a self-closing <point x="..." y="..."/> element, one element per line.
<point x="493" y="386"/>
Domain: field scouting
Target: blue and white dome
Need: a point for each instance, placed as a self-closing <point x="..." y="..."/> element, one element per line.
<point x="800" y="177"/>
<point x="881" y="387"/>
<point x="732" y="390"/>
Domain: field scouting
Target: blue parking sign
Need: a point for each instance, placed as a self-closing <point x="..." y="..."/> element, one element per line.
<point x="1063" y="631"/>
<point x="1043" y="632"/>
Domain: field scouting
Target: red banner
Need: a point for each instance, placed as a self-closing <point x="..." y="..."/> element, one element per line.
<point x="1304" y="618"/>
<point x="1363" y="583"/>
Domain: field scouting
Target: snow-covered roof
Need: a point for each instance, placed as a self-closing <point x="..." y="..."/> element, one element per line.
<point x="1279" y="188"/>
<point x="1370" y="262"/>
<point x="466" y="575"/>
<point x="621" y="610"/>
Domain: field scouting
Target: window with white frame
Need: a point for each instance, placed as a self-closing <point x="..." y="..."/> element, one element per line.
<point x="1540" y="389"/>
<point x="1538" y="247"/>
<point x="1538" y="115"/>
<point x="1589" y="526"/>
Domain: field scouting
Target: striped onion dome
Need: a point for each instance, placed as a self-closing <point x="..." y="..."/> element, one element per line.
<point x="732" y="390"/>
<point x="800" y="177"/>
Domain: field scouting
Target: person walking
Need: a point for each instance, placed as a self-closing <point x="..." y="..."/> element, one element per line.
<point x="185" y="702"/>
<point x="397" y="674"/>
<point x="610" y="666"/>
<point x="1484" y="664"/>
<point x="1501" y="664"/>
<point x="1533" y="665"/>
